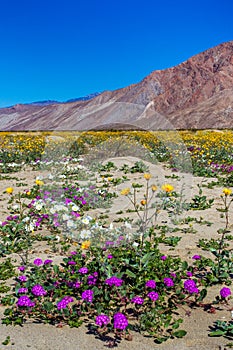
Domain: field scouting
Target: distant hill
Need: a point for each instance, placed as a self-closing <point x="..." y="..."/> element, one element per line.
<point x="196" y="94"/>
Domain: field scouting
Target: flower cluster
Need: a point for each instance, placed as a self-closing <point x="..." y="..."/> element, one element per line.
<point x="102" y="320"/>
<point x="87" y="295"/>
<point x="225" y="292"/>
<point x="190" y="286"/>
<point x="120" y="321"/>
<point x="62" y="304"/>
<point x="24" y="300"/>
<point x="38" y="290"/>
<point x="114" y="281"/>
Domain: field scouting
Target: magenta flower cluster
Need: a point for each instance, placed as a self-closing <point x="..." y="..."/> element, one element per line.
<point x="62" y="304"/>
<point x="24" y="300"/>
<point x="190" y="286"/>
<point x="151" y="284"/>
<point x="120" y="321"/>
<point x="87" y="295"/>
<point x="137" y="300"/>
<point x="114" y="281"/>
<point x="153" y="296"/>
<point x="102" y="320"/>
<point x="168" y="282"/>
<point x="38" y="290"/>
<point x="225" y="292"/>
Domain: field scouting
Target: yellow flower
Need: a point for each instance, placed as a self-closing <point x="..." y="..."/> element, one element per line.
<point x="154" y="188"/>
<point x="28" y="193"/>
<point x="85" y="244"/>
<point x="167" y="188"/>
<point x="143" y="202"/>
<point x="125" y="191"/>
<point x="147" y="176"/>
<point x="9" y="190"/>
<point x="227" y="191"/>
<point x="39" y="182"/>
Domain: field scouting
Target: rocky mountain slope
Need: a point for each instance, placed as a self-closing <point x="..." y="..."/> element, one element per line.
<point x="196" y="94"/>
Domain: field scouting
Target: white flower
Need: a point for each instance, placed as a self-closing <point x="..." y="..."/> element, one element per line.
<point x="70" y="223"/>
<point x="65" y="217"/>
<point x="85" y="234"/>
<point x="128" y="225"/>
<point x="38" y="206"/>
<point x="15" y="207"/>
<point x="135" y="244"/>
<point x="75" y="208"/>
<point x="86" y="220"/>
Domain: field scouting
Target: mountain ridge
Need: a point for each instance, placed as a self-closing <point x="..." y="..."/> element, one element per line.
<point x="195" y="94"/>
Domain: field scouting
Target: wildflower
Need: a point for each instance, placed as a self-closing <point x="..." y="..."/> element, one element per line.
<point x="143" y="202"/>
<point x="190" y="286"/>
<point x="91" y="280"/>
<point x="71" y="262"/>
<point x="110" y="256"/>
<point x="227" y="191"/>
<point x="38" y="290"/>
<point x="137" y="300"/>
<point x="22" y="278"/>
<point x="225" y="292"/>
<point x="24" y="300"/>
<point x="125" y="191"/>
<point x="147" y="176"/>
<point x="167" y="188"/>
<point x="154" y="188"/>
<point x="120" y="321"/>
<point x="83" y="270"/>
<point x="114" y="281"/>
<point x="48" y="261"/>
<point x="87" y="295"/>
<point x="189" y="273"/>
<point x="102" y="320"/>
<point x="22" y="290"/>
<point x="153" y="296"/>
<point x="38" y="262"/>
<point x="163" y="257"/>
<point x="168" y="282"/>
<point x="39" y="182"/>
<point x="151" y="284"/>
<point x="196" y="257"/>
<point x="9" y="190"/>
<point x="62" y="304"/>
<point x="21" y="268"/>
<point x="85" y="244"/>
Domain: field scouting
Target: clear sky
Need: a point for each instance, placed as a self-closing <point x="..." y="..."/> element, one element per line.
<point x="63" y="49"/>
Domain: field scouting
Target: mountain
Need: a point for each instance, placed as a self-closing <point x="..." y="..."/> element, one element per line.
<point x="196" y="94"/>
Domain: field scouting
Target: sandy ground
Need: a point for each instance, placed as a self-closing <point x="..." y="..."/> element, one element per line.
<point x="40" y="337"/>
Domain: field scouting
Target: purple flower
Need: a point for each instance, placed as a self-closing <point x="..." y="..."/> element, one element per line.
<point x="168" y="282"/>
<point x="151" y="284"/>
<point x="87" y="295"/>
<point x="22" y="278"/>
<point x="91" y="280"/>
<point x="114" y="281"/>
<point x="83" y="270"/>
<point x="196" y="257"/>
<point x="163" y="257"/>
<point x="38" y="290"/>
<point x="24" y="300"/>
<point x="48" y="261"/>
<point x="153" y="296"/>
<point x="120" y="321"/>
<point x="22" y="290"/>
<point x="77" y="284"/>
<point x="225" y="292"/>
<point x="189" y="273"/>
<point x="173" y="274"/>
<point x="73" y="253"/>
<point x="109" y="256"/>
<point x="102" y="320"/>
<point x="72" y="262"/>
<point x="190" y="286"/>
<point x="21" y="268"/>
<point x="62" y="304"/>
<point x="137" y="300"/>
<point x="38" y="262"/>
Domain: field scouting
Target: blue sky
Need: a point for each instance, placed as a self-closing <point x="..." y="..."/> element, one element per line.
<point x="60" y="50"/>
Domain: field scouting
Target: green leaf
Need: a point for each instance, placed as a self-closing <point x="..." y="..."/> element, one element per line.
<point x="130" y="273"/>
<point x="180" y="334"/>
<point x="217" y="333"/>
